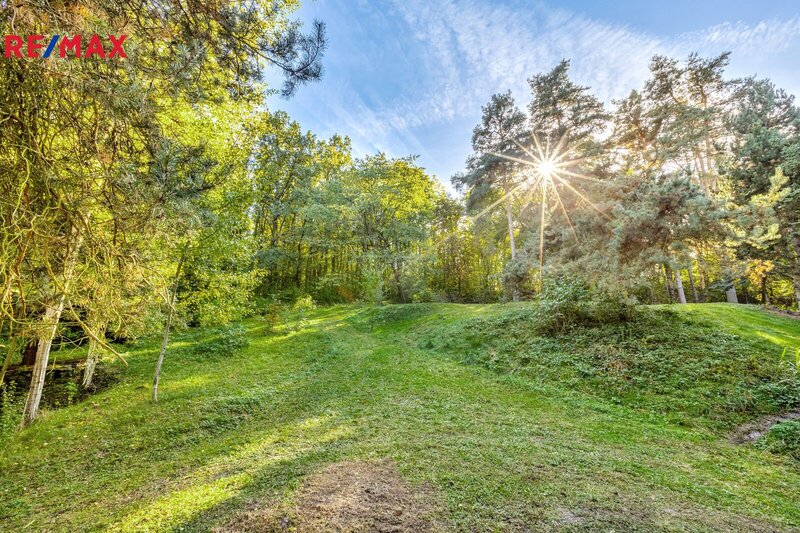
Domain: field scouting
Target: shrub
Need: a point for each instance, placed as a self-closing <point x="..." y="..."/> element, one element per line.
<point x="566" y="302"/>
<point x="226" y="342"/>
<point x="272" y="317"/>
<point x="304" y="303"/>
<point x="783" y="439"/>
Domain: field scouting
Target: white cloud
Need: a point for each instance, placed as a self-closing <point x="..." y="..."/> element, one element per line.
<point x="465" y="50"/>
<point x="476" y="47"/>
<point x="766" y="36"/>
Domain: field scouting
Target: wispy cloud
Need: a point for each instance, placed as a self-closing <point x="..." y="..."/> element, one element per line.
<point x="462" y="51"/>
<point x="765" y="36"/>
<point x="477" y="48"/>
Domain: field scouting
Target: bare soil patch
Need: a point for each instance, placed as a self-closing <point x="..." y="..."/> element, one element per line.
<point x="752" y="431"/>
<point x="350" y="496"/>
<point x="783" y="312"/>
<point x="360" y="496"/>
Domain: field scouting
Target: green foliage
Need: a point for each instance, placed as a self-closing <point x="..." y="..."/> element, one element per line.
<point x="224" y="343"/>
<point x="304" y="304"/>
<point x="64" y="393"/>
<point x="654" y="358"/>
<point x="565" y="302"/>
<point x="783" y="438"/>
<point x="10" y="410"/>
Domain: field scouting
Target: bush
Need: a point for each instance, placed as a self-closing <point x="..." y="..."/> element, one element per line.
<point x="10" y="410"/>
<point x="227" y="341"/>
<point x="304" y="303"/>
<point x="272" y="316"/>
<point x="566" y="302"/>
<point x="783" y="439"/>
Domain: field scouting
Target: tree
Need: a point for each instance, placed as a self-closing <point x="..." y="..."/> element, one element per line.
<point x="764" y="165"/>
<point x="563" y="111"/>
<point x="89" y="141"/>
<point x="502" y="123"/>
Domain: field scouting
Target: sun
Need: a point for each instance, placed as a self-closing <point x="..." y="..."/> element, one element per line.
<point x="552" y="169"/>
<point x="546" y="168"/>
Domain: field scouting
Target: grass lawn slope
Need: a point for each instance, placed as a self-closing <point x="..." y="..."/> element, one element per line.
<point x="464" y="416"/>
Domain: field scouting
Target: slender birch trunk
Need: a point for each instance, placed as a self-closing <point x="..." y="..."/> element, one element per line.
<point x="91" y="357"/>
<point x="168" y="324"/>
<point x="796" y="270"/>
<point x="679" y="285"/>
<point x="510" y="220"/>
<point x="50" y="320"/>
<point x="691" y="283"/>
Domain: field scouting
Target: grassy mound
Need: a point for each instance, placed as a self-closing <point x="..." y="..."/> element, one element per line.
<point x="676" y="363"/>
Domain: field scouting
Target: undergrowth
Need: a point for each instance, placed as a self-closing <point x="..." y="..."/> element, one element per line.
<point x="656" y="359"/>
<point x="783" y="439"/>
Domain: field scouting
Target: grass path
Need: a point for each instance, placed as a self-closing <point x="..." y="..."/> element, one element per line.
<point x="494" y="452"/>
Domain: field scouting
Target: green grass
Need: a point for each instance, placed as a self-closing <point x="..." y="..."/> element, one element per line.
<point x="594" y="428"/>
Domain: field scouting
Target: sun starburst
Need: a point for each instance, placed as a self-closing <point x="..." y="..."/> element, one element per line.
<point x="551" y="168"/>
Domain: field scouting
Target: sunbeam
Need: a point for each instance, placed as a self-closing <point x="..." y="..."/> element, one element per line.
<point x="549" y="168"/>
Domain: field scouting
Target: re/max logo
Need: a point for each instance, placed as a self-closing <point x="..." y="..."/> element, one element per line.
<point x="30" y="46"/>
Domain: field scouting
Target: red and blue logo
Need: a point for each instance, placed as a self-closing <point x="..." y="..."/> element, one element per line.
<point x="75" y="46"/>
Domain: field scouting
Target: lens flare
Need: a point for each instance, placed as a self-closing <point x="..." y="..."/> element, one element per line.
<point x="550" y="169"/>
<point x="546" y="168"/>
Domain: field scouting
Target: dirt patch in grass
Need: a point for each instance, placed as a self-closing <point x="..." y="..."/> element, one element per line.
<point x="752" y="431"/>
<point x="361" y="496"/>
<point x="783" y="312"/>
<point x="351" y="496"/>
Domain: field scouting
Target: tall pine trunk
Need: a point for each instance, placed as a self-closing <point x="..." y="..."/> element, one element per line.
<point x="47" y="333"/>
<point x="173" y="298"/>
<point x="668" y="283"/>
<point x="679" y="286"/>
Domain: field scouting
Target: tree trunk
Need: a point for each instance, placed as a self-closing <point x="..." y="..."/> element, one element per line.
<point x="50" y="320"/>
<point x="168" y="324"/>
<point x="91" y="358"/>
<point x="764" y="294"/>
<point x="691" y="283"/>
<point x="679" y="285"/>
<point x="667" y="283"/>
<point x="796" y="270"/>
<point x="510" y="220"/>
<point x="11" y="350"/>
<point x="49" y="324"/>
<point x="29" y="353"/>
<point x="398" y="275"/>
<point x="703" y="283"/>
<point x="730" y="294"/>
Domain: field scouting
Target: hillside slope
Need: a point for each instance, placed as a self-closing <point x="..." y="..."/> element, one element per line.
<point x="460" y="415"/>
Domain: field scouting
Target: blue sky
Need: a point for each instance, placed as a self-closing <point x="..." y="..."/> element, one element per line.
<point x="409" y="76"/>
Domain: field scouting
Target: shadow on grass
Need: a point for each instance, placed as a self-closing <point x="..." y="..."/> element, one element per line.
<point x="213" y="431"/>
